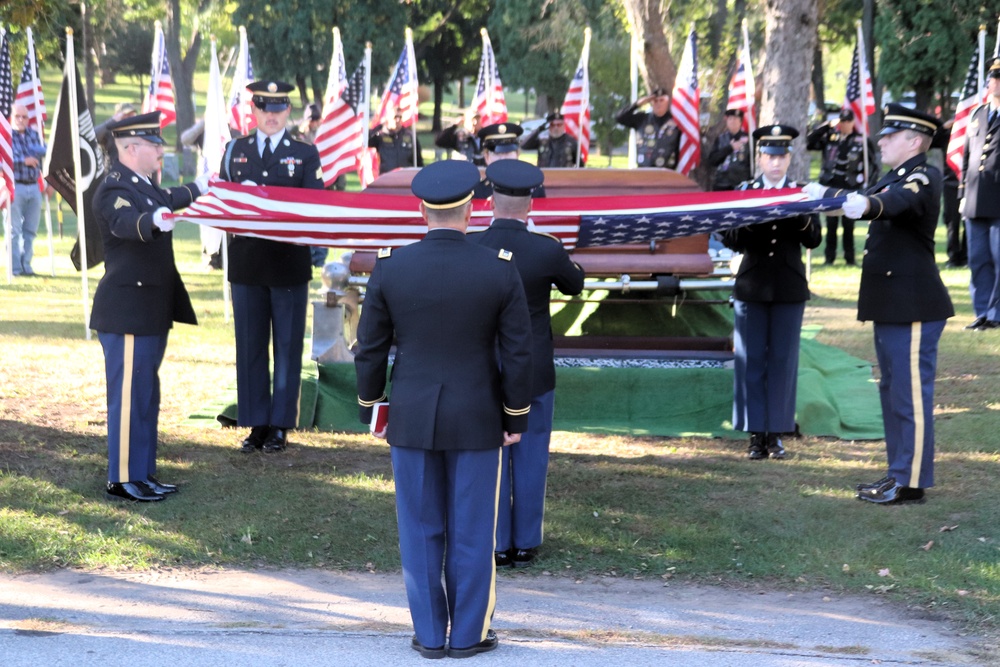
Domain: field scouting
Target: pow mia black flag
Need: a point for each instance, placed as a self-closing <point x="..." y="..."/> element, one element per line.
<point x="60" y="173"/>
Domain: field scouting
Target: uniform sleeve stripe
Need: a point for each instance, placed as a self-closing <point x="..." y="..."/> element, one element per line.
<point x="138" y="226"/>
<point x="367" y="404"/>
<point x="516" y="413"/>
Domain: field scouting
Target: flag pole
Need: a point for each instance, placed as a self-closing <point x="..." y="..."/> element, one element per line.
<point x="585" y="102"/>
<point x="750" y="86"/>
<point x="8" y="245"/>
<point x="74" y="127"/>
<point x="862" y="70"/>
<point x="634" y="95"/>
<point x="366" y="118"/>
<point x="40" y="128"/>
<point x="411" y="65"/>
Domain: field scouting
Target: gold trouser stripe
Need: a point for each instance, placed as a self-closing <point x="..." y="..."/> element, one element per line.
<point x="125" y="421"/>
<point x="493" y="563"/>
<point x="916" y="389"/>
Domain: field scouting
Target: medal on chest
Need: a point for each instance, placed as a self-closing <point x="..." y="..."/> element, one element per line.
<point x="290" y="162"/>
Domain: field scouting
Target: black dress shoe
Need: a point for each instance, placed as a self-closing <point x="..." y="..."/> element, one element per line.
<point x="892" y="493"/>
<point x="502" y="558"/>
<point x="524" y="557"/>
<point x="277" y="440"/>
<point x="987" y="325"/>
<point x="429" y="653"/>
<point x="137" y="491"/>
<point x="774" y="447"/>
<point x="158" y="488"/>
<point x="254" y="441"/>
<point x="874" y="485"/>
<point x="977" y="323"/>
<point x="757" y="450"/>
<point x="484" y="646"/>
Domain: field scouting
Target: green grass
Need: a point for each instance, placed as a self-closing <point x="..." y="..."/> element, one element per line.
<point x="692" y="510"/>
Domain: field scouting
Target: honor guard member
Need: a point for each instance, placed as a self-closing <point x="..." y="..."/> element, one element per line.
<point x="542" y="262"/>
<point x="270" y="279"/>
<point x="461" y="390"/>
<point x="137" y="301"/>
<point x="395" y="145"/>
<point x="501" y="141"/>
<point x="558" y="149"/>
<point x="730" y="157"/>
<point x="980" y="195"/>
<point x="903" y="295"/>
<point x="462" y="138"/>
<point x="658" y="137"/>
<point x="770" y="297"/>
<point x="843" y="168"/>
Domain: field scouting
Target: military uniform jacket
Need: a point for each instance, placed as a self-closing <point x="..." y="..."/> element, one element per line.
<point x="542" y="262"/>
<point x="658" y="140"/>
<point x="557" y="152"/>
<point x="141" y="292"/>
<point x="771" y="270"/>
<point x="731" y="167"/>
<point x="981" y="166"/>
<point x="459" y="316"/>
<point x="900" y="281"/>
<point x="843" y="164"/>
<point x="395" y="150"/>
<point x="293" y="164"/>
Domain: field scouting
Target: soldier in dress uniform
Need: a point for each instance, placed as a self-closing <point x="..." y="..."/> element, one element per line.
<point x="462" y="138"/>
<point x="659" y="138"/>
<point x="270" y="279"/>
<point x="980" y="203"/>
<point x="843" y="150"/>
<point x="558" y="149"/>
<point x="501" y="141"/>
<point x="461" y="391"/>
<point x="770" y="296"/>
<point x="542" y="262"/>
<point x="903" y="295"/>
<point x="137" y="301"/>
<point x="730" y="156"/>
<point x="395" y="145"/>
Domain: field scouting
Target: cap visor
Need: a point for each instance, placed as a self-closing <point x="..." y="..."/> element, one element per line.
<point x="889" y="130"/>
<point x="774" y="150"/>
<point x="506" y="148"/>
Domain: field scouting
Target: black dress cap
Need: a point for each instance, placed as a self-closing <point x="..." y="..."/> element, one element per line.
<point x="145" y="126"/>
<point x="896" y="117"/>
<point x="501" y="137"/>
<point x="514" y="177"/>
<point x="445" y="184"/>
<point x="271" y="96"/>
<point x="775" y="139"/>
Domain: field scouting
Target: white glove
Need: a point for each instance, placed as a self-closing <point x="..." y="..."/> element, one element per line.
<point x="202" y="183"/>
<point x="814" y="191"/>
<point x="159" y="222"/>
<point x="855" y="206"/>
<point x="961" y="206"/>
<point x="247" y="182"/>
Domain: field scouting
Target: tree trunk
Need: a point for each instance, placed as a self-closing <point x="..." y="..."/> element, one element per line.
<point x="657" y="67"/>
<point x="790" y="37"/>
<point x="182" y="75"/>
<point x="818" y="85"/>
<point x="439" y="84"/>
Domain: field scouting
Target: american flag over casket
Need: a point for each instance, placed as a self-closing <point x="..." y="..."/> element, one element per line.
<point x="368" y="220"/>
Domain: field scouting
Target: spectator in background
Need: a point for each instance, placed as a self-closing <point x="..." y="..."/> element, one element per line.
<point x="558" y="149"/>
<point x="461" y="138"/>
<point x="658" y="138"/>
<point x="26" y="209"/>
<point x="730" y="156"/>
<point x="395" y="145"/>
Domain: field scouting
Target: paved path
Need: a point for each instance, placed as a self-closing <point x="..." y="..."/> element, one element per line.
<point x="308" y="617"/>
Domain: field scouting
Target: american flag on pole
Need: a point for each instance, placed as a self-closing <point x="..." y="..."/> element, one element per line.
<point x="29" y="91"/>
<point x="684" y="103"/>
<point x="401" y="91"/>
<point x="240" y="116"/>
<point x="360" y="220"/>
<point x="859" y="97"/>
<point x="6" y="101"/>
<point x="742" y="91"/>
<point x="342" y="135"/>
<point x="489" y="101"/>
<point x="161" y="86"/>
<point x="576" y="106"/>
<point x="970" y="99"/>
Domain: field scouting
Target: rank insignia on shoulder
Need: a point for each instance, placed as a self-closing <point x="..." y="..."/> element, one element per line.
<point x="384" y="252"/>
<point x="918" y="176"/>
<point x="121" y="202"/>
<point x="505" y="255"/>
<point x="114" y="176"/>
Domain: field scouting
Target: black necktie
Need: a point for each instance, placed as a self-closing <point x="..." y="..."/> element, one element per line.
<point x="993" y="116"/>
<point x="267" y="149"/>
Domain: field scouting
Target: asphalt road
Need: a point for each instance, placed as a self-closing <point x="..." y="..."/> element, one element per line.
<point x="310" y="617"/>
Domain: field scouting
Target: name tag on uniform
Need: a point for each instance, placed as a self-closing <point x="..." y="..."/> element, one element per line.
<point x="240" y="160"/>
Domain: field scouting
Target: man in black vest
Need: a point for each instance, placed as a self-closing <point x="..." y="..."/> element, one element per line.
<point x="556" y="150"/>
<point x="730" y="157"/>
<point x="137" y="301"/>
<point x="658" y="137"/>
<point x="461" y="391"/>
<point x="903" y="296"/>
<point x="270" y="279"/>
